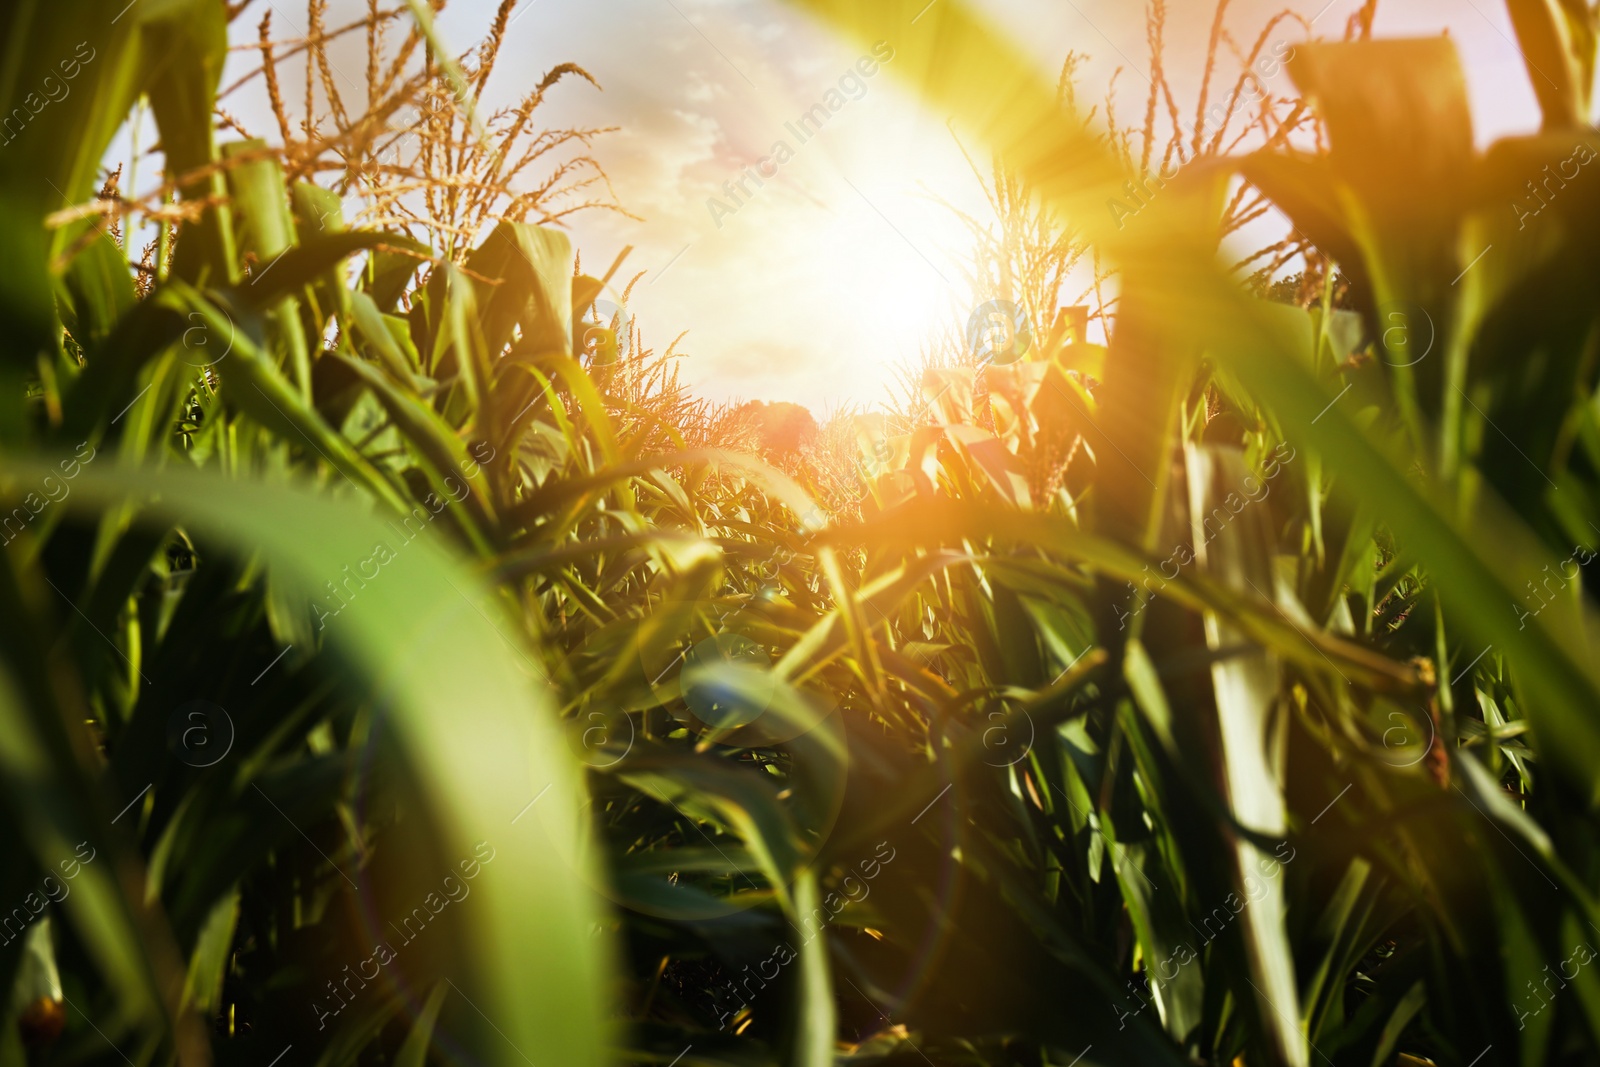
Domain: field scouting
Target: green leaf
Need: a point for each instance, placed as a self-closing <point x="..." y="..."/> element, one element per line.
<point x="310" y="260"/>
<point x="712" y="790"/>
<point x="98" y="289"/>
<point x="256" y="385"/>
<point x="1470" y="550"/>
<point x="414" y="1053"/>
<point x="534" y="267"/>
<point x="1557" y="42"/>
<point x="209" y="961"/>
<point x="424" y="633"/>
<point x="811" y="1044"/>
<point x="1404" y="1011"/>
<point x="1239" y="554"/>
<point x="1383" y="100"/>
<point x="189" y="45"/>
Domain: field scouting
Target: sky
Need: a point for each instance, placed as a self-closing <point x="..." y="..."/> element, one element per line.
<point x="844" y="262"/>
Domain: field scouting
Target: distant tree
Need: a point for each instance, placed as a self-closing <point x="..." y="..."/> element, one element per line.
<point x="780" y="427"/>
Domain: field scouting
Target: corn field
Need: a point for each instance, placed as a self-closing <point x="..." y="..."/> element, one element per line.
<point x="400" y="665"/>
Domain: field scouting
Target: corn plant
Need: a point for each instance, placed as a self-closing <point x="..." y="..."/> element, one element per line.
<point x="1218" y="694"/>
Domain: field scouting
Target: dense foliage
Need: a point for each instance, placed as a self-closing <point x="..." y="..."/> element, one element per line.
<point x="1223" y="693"/>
